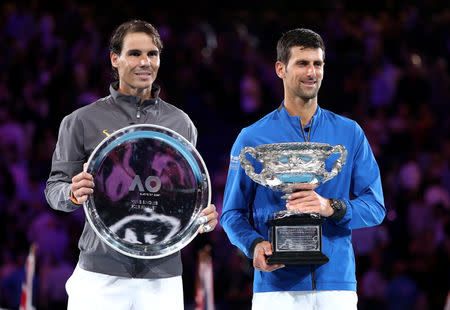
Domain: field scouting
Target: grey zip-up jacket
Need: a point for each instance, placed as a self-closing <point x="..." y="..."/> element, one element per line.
<point x="79" y="134"/>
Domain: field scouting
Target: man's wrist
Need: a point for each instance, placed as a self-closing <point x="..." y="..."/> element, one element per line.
<point x="73" y="198"/>
<point x="253" y="245"/>
<point x="339" y="209"/>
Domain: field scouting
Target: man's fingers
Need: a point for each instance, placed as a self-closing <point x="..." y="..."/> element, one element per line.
<point x="83" y="183"/>
<point x="205" y="228"/>
<point x="261" y="265"/>
<point x="212" y="216"/>
<point x="84" y="191"/>
<point x="82" y="199"/>
<point x="81" y="194"/>
<point x="262" y="250"/>
<point x="267" y="250"/>
<point x="81" y="176"/>
<point x="203" y="220"/>
<point x="301" y="194"/>
<point x="302" y="205"/>
<point x="302" y="201"/>
<point x="260" y="262"/>
<point x="208" y="227"/>
<point x="304" y="186"/>
<point x="208" y="214"/>
<point x="207" y="218"/>
<point x="268" y="267"/>
<point x="264" y="265"/>
<point x="272" y="267"/>
<point x="209" y="210"/>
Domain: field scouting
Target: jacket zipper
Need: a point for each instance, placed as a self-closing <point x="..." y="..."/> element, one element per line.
<point x="313" y="278"/>
<point x="138" y="113"/>
<point x="307" y="139"/>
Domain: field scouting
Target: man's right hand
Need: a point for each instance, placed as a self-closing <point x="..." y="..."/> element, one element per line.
<point x="262" y="250"/>
<point x="82" y="185"/>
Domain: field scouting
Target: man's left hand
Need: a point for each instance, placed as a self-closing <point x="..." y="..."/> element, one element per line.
<point x="210" y="217"/>
<point x="306" y="200"/>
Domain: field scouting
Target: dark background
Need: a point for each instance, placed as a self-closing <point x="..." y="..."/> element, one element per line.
<point x="386" y="67"/>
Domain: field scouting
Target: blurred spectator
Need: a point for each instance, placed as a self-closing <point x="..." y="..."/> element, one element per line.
<point x="51" y="236"/>
<point x="250" y="91"/>
<point x="401" y="290"/>
<point x="383" y="84"/>
<point x="52" y="294"/>
<point x="372" y="287"/>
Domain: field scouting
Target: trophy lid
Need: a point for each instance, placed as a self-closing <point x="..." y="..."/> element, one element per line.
<point x="150" y="187"/>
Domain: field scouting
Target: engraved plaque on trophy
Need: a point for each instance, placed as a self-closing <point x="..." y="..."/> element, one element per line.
<point x="296" y="237"/>
<point x="150" y="186"/>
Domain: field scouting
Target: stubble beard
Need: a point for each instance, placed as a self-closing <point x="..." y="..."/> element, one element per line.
<point x="308" y="95"/>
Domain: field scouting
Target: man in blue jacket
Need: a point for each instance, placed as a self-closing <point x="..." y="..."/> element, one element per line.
<point x="353" y="199"/>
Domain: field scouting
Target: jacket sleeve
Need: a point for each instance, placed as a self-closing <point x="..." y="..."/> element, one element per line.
<point x="366" y="208"/>
<point x="238" y="199"/>
<point x="67" y="161"/>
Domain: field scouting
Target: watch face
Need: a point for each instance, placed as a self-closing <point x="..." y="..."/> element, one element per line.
<point x="335" y="204"/>
<point x="150" y="187"/>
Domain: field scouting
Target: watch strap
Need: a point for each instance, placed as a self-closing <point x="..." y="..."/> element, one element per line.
<point x="339" y="207"/>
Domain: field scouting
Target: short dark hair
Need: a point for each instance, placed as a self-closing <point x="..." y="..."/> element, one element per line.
<point x="132" y="26"/>
<point x="305" y="38"/>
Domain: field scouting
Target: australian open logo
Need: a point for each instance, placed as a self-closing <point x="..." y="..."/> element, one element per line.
<point x="151" y="184"/>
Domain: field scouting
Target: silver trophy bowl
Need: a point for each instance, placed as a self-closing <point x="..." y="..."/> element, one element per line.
<point x="285" y="165"/>
<point x="296" y="237"/>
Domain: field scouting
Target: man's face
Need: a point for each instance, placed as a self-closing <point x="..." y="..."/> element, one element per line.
<point x="137" y="64"/>
<point x="302" y="76"/>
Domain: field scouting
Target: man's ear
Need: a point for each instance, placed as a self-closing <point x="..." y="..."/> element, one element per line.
<point x="114" y="59"/>
<point x="280" y="69"/>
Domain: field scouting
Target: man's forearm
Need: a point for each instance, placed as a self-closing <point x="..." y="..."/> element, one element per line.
<point x="58" y="196"/>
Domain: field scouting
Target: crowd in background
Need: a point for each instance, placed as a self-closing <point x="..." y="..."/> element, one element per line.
<point x="387" y="69"/>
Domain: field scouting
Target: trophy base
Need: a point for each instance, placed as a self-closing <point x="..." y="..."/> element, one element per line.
<point x="296" y="239"/>
<point x="298" y="258"/>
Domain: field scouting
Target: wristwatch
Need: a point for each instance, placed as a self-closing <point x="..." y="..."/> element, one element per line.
<point x="339" y="207"/>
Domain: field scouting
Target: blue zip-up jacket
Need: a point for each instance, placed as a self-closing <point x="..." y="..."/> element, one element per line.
<point x="358" y="185"/>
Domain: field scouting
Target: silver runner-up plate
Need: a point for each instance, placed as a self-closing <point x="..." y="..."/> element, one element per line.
<point x="150" y="186"/>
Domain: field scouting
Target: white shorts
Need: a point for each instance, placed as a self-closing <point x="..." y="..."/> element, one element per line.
<point x="95" y="291"/>
<point x="305" y="300"/>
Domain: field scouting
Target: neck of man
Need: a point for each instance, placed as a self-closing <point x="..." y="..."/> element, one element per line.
<point x="144" y="93"/>
<point x="300" y="107"/>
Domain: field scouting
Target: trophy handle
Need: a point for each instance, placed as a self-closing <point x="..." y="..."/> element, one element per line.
<point x="338" y="164"/>
<point x="247" y="165"/>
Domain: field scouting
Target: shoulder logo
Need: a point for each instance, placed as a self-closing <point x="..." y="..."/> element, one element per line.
<point x="106" y="132"/>
<point x="234" y="162"/>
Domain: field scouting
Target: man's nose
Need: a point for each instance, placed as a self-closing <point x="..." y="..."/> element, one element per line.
<point x="145" y="61"/>
<point x="311" y="70"/>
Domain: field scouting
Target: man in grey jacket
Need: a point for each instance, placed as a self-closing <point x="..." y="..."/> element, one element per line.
<point x="105" y="278"/>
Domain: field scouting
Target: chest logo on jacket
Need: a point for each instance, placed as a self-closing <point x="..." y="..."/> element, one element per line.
<point x="105" y="131"/>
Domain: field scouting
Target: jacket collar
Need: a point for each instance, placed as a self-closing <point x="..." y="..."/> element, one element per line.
<point x="285" y="114"/>
<point x="119" y="97"/>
